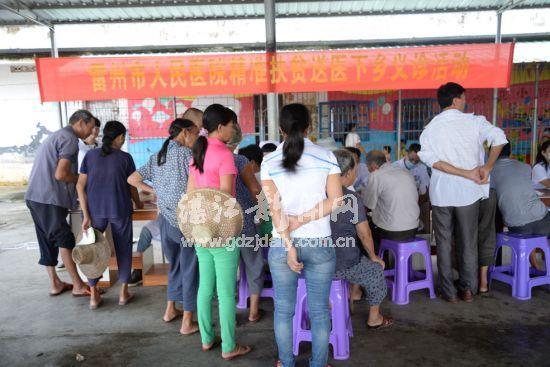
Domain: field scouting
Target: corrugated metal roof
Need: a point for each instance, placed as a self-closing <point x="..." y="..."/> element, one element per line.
<point x="101" y="11"/>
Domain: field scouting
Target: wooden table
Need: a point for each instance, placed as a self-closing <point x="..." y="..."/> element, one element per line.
<point x="153" y="273"/>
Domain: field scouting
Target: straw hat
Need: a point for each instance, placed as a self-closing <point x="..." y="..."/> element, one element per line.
<point x="209" y="217"/>
<point x="93" y="259"/>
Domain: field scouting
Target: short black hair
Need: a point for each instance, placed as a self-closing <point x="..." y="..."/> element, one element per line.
<point x="387" y="148"/>
<point x="447" y="92"/>
<point x="355" y="151"/>
<point x="253" y="153"/>
<point x="268" y="148"/>
<point x="414" y="147"/>
<point x="506" y="151"/>
<point x="97" y="122"/>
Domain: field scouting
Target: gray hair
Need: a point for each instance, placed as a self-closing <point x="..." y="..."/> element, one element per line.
<point x="84" y="115"/>
<point x="376" y="157"/>
<point x="345" y="159"/>
<point x="236" y="137"/>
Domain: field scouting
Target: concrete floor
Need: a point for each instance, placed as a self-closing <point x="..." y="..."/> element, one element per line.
<point x="38" y="330"/>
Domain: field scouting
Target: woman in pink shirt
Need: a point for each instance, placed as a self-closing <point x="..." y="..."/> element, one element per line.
<point x="213" y="166"/>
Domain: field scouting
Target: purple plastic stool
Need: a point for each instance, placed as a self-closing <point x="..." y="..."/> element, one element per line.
<point x="341" y="320"/>
<point x="517" y="274"/>
<point x="405" y="279"/>
<point x="243" y="288"/>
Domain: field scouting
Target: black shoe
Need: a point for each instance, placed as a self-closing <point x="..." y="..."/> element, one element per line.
<point x="135" y="278"/>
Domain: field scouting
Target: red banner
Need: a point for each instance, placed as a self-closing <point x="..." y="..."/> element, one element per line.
<point x="100" y="78"/>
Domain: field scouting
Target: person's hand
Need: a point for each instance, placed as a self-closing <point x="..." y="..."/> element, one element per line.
<point x="378" y="260"/>
<point x="474" y="175"/>
<point x="292" y="260"/>
<point x="293" y="223"/>
<point x="484" y="173"/>
<point x="86" y="222"/>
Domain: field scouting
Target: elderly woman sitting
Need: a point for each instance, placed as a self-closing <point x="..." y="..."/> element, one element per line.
<point x="348" y="224"/>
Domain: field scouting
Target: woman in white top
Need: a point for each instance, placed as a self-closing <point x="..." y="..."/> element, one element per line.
<point x="302" y="184"/>
<point x="541" y="170"/>
<point x="353" y="139"/>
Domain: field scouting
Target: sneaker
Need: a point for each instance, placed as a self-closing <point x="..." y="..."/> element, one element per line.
<point x="135" y="278"/>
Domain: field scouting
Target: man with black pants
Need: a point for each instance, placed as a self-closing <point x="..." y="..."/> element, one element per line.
<point x="452" y="144"/>
<point x="50" y="195"/>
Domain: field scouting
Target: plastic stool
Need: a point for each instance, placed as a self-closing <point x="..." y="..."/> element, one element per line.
<point x="341" y="320"/>
<point x="518" y="273"/>
<point x="405" y="279"/>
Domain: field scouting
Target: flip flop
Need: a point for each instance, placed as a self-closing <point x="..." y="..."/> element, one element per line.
<point x="386" y="322"/>
<point x="66" y="287"/>
<point x="258" y="318"/>
<point x="126" y="301"/>
<point x="217" y="341"/>
<point x="241" y="351"/>
<point x="190" y="332"/>
<point x="87" y="293"/>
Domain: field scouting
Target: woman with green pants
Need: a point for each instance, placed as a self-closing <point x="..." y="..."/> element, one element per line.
<point x="213" y="166"/>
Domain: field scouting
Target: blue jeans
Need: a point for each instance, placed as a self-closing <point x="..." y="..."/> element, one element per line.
<point x="183" y="277"/>
<point x="319" y="266"/>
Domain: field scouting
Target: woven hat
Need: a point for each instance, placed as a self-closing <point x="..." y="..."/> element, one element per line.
<point x="92" y="259"/>
<point x="209" y="217"/>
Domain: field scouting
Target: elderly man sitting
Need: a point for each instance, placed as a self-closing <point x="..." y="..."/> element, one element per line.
<point x="393" y="198"/>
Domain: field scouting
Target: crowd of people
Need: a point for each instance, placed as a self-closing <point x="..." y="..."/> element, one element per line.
<point x="308" y="195"/>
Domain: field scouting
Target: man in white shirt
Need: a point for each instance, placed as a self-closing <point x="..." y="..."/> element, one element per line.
<point x="412" y="162"/>
<point x="84" y="146"/>
<point x="452" y="144"/>
<point x="392" y="196"/>
<point x="353" y="139"/>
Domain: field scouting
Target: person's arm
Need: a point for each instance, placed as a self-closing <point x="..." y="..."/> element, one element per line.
<point x="364" y="234"/>
<point x="136" y="180"/>
<point x="323" y="208"/>
<point x="63" y="171"/>
<point x="496" y="138"/>
<point x="83" y="199"/>
<point x="485" y="170"/>
<point x="280" y="223"/>
<point x="249" y="180"/>
<point x="471" y="174"/>
<point x="135" y="197"/>
<point x="227" y="183"/>
<point x="190" y="184"/>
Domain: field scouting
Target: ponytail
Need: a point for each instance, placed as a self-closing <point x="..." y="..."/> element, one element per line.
<point x="214" y="116"/>
<point x="111" y="131"/>
<point x="294" y="121"/>
<point x="199" y="152"/>
<point x="176" y="127"/>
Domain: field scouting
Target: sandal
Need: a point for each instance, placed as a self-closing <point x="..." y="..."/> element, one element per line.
<point x="87" y="293"/>
<point x="239" y="351"/>
<point x="66" y="287"/>
<point x="217" y="341"/>
<point x="386" y="322"/>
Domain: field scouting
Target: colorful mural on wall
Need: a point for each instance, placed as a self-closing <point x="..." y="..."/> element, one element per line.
<point x="150" y="118"/>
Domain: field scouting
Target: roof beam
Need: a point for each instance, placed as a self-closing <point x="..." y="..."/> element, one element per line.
<point x="260" y="46"/>
<point x="29" y="18"/>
